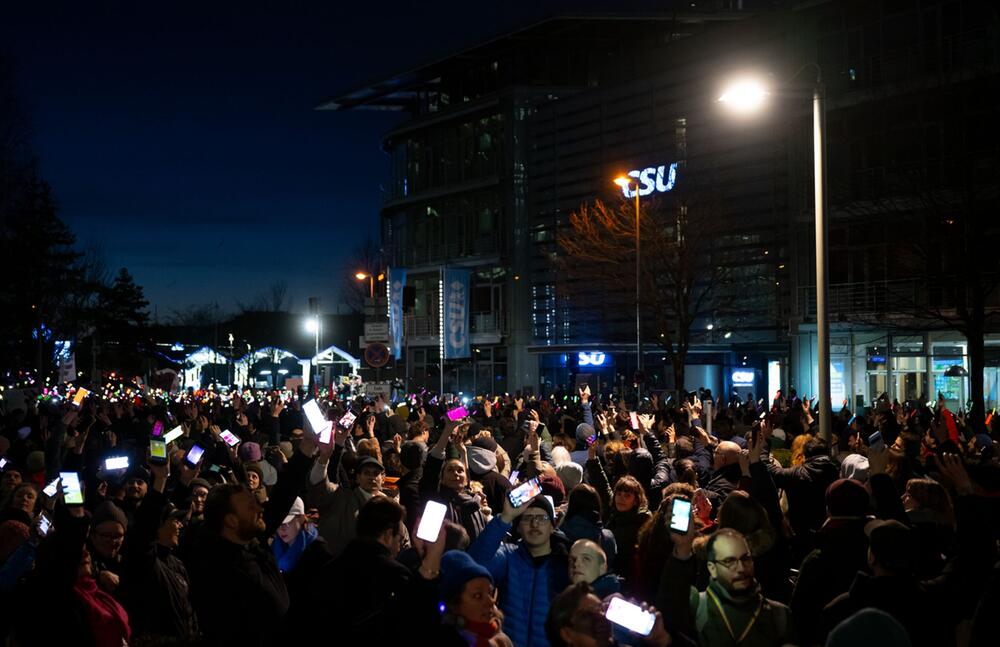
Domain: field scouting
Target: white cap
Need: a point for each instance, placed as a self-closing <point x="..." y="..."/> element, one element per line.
<point x="298" y="509"/>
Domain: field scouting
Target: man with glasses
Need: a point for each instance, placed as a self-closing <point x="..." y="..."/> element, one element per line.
<point x="527" y="572"/>
<point x="732" y="611"/>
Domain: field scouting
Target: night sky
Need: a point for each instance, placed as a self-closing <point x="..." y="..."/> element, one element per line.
<point x="181" y="138"/>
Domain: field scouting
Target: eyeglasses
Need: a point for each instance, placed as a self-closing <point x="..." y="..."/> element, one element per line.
<point x="535" y="519"/>
<point x="730" y="562"/>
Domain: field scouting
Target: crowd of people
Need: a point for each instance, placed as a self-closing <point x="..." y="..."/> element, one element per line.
<point x="709" y="523"/>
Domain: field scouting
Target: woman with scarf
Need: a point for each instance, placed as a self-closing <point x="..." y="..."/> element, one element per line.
<point x="469" y="614"/>
<point x="446" y="480"/>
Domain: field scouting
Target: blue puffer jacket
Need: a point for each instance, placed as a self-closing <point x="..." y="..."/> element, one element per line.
<point x="525" y="590"/>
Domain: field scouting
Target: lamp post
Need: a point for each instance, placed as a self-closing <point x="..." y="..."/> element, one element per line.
<point x="747" y="96"/>
<point x="313" y="325"/>
<point x="361" y="276"/>
<point x="625" y="182"/>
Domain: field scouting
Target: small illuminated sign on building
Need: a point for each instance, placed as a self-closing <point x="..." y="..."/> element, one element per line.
<point x="743" y="378"/>
<point x="659" y="179"/>
<point x="591" y="359"/>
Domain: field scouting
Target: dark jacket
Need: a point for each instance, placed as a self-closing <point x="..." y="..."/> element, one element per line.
<point x="805" y="485"/>
<point x="409" y="496"/>
<point x="156" y="587"/>
<point x="827" y="572"/>
<point x="904" y="598"/>
<point x="369" y="598"/>
<point x="245" y="577"/>
<point x="495" y="487"/>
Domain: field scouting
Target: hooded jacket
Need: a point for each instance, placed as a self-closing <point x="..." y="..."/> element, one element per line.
<point x="526" y="588"/>
<point x="587" y="525"/>
<point x="805" y="485"/>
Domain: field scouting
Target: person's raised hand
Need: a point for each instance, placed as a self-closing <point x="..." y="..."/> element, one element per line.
<point x="70" y="417"/>
<point x="744" y="460"/>
<point x="592" y="450"/>
<point x="188" y="473"/>
<point x="645" y="422"/>
<point x="160" y="472"/>
<point x="309" y="442"/>
<point x="326" y="449"/>
<point x="683" y="541"/>
<point x="519" y="403"/>
<point x="671" y="434"/>
<point x="277" y="407"/>
<point x="370" y="426"/>
<point x="585" y="394"/>
<point x="241" y="419"/>
<point x="511" y="512"/>
<point x="953" y="469"/>
<point x="487" y="408"/>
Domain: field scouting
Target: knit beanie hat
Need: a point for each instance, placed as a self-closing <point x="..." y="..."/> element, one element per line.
<point x="583" y="432"/>
<point x="847" y="498"/>
<point x="854" y="466"/>
<point x="570" y="474"/>
<point x="481" y="461"/>
<point x="457" y="568"/>
<point x="250" y="452"/>
<point x="108" y="511"/>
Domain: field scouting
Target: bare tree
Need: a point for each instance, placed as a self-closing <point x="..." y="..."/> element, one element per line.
<point x="274" y="299"/>
<point x="366" y="257"/>
<point x="684" y="277"/>
<point x="196" y="316"/>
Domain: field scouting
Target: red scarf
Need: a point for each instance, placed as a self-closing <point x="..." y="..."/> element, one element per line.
<point x="107" y="619"/>
<point x="482" y="631"/>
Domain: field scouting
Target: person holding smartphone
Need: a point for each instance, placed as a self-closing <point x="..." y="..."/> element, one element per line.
<point x="526" y="572"/>
<point x="447" y="480"/>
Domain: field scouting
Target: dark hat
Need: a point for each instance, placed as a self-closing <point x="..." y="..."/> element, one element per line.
<point x="847" y="498"/>
<point x="485" y="442"/>
<point x="255" y="468"/>
<point x="137" y="472"/>
<point x="195" y="482"/>
<point x="108" y="511"/>
<point x="553" y="487"/>
<point x="366" y="461"/>
<point x="869" y="627"/>
<point x="457" y="568"/>
<point x="892" y="544"/>
<point x="12" y="535"/>
<point x="543" y="503"/>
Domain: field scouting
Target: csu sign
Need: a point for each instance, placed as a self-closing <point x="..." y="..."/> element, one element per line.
<point x="659" y="179"/>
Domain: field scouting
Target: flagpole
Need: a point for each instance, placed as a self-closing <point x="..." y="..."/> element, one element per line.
<point x="441" y="331"/>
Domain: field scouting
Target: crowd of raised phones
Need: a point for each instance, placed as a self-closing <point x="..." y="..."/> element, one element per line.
<point x="574" y="519"/>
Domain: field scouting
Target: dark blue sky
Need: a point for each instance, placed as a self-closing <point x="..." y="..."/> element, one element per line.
<point x="181" y="136"/>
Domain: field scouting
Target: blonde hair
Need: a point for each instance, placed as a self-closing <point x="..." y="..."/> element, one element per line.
<point x="799" y="448"/>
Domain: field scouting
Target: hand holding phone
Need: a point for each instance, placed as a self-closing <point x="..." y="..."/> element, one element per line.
<point x="457" y="414"/>
<point x="431" y="520"/>
<point x="157" y="451"/>
<point x="524" y="492"/>
<point x="194" y="456"/>
<point x="73" y="492"/>
<point x="631" y="616"/>
<point x="680" y="515"/>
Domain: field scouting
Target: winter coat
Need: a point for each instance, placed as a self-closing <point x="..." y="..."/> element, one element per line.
<point x="526" y="588"/>
<point x="805" y="486"/>
<point x="338" y="506"/>
<point x="463" y="507"/>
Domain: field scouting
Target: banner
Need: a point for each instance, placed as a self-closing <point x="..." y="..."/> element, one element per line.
<point x="456" y="313"/>
<point x="397" y="279"/>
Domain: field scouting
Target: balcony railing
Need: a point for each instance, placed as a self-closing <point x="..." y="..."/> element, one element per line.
<point x="424" y="326"/>
<point x="903" y="297"/>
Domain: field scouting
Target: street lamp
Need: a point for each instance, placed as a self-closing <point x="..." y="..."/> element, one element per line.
<point x="747" y="96"/>
<point x="624" y="182"/>
<point x="361" y="276"/>
<point x="313" y="326"/>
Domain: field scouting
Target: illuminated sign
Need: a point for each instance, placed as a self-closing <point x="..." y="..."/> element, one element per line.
<point x="660" y="179"/>
<point x="591" y="359"/>
<point x="743" y="378"/>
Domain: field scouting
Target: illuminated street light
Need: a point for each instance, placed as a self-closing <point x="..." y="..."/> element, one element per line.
<point x="624" y="182"/>
<point x="312" y="325"/>
<point x="747" y="96"/>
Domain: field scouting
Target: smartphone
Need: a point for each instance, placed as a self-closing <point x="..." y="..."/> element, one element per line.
<point x="524" y="492"/>
<point x="316" y="419"/>
<point x="116" y="463"/>
<point x="458" y="413"/>
<point x="173" y="434"/>
<point x="634" y="417"/>
<point x="51" y="489"/>
<point x="3" y="463"/>
<point x="513" y="476"/>
<point x="631" y="616"/>
<point x="591" y="440"/>
<point x="71" y="488"/>
<point x="194" y="455"/>
<point x="430" y="522"/>
<point x="81" y="393"/>
<point x="347" y="420"/>
<point x="680" y="515"/>
<point x="157" y="429"/>
<point x="875" y="441"/>
<point x="157" y="451"/>
<point x="44" y="524"/>
<point x="231" y="439"/>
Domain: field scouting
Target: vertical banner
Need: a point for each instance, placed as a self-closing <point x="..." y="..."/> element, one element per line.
<point x="456" y="313"/>
<point x="397" y="279"/>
